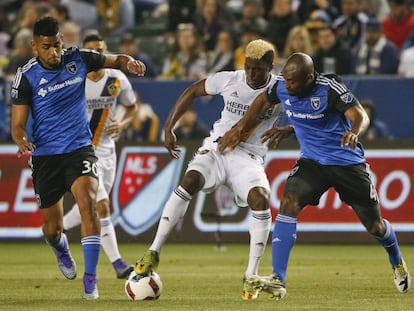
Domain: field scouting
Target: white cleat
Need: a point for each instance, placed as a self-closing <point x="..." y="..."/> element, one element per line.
<point x="269" y="284"/>
<point x="402" y="277"/>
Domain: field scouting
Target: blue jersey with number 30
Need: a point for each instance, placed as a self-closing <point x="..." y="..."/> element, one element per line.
<point x="319" y="120"/>
<point x="57" y="101"/>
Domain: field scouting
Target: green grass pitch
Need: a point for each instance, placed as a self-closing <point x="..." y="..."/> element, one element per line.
<point x="199" y="277"/>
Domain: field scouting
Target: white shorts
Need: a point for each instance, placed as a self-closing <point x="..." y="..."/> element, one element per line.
<point x="239" y="169"/>
<point x="106" y="169"/>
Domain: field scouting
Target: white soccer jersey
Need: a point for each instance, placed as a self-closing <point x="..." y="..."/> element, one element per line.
<point x="102" y="98"/>
<point x="238" y="97"/>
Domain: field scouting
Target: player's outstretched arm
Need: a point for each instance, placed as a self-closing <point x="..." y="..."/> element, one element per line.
<point x="245" y="126"/>
<point x="125" y="63"/>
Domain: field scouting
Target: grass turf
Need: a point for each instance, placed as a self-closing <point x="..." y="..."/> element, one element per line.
<point x="199" y="277"/>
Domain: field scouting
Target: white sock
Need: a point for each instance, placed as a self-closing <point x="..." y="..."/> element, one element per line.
<point x="259" y="233"/>
<point x="108" y="239"/>
<point x="174" y="210"/>
<point x="72" y="218"/>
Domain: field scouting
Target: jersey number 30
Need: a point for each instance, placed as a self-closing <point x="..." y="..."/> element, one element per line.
<point x="89" y="167"/>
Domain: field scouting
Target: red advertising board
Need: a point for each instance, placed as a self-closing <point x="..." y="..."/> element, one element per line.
<point x="392" y="174"/>
<point x="19" y="213"/>
<point x="147" y="175"/>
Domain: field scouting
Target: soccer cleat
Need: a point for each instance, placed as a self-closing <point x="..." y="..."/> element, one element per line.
<point x="147" y="263"/>
<point x="270" y="284"/>
<point x="90" y="287"/>
<point x="402" y="277"/>
<point x="66" y="263"/>
<point x="122" y="269"/>
<point x="249" y="292"/>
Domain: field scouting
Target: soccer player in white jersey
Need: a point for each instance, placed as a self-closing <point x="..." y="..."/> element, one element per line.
<point x="106" y="89"/>
<point x="241" y="170"/>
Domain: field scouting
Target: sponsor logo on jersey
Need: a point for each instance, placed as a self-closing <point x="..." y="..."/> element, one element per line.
<point x="62" y="85"/>
<point x="42" y="92"/>
<point x="236" y="108"/>
<point x="308" y="116"/>
<point x="71" y="67"/>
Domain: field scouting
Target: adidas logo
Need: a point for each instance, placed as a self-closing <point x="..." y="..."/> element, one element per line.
<point x="276" y="240"/>
<point x="234" y="94"/>
<point x="287" y="102"/>
<point x="404" y="285"/>
<point x="43" y="81"/>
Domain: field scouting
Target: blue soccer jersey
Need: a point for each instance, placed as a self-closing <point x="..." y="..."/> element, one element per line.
<point x="57" y="101"/>
<point x="319" y="120"/>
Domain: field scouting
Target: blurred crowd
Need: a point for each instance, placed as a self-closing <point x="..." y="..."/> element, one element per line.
<point x="190" y="39"/>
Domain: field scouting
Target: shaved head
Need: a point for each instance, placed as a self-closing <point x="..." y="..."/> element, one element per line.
<point x="299" y="74"/>
<point x="301" y="64"/>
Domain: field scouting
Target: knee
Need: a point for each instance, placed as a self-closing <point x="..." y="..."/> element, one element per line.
<point x="52" y="231"/>
<point x="376" y="228"/>
<point x="193" y="182"/>
<point x="258" y="199"/>
<point x="289" y="205"/>
<point x="103" y="208"/>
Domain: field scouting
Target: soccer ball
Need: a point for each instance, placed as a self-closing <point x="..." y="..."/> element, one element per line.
<point x="138" y="287"/>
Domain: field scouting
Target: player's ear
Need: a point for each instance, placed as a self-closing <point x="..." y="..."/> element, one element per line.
<point x="310" y="77"/>
<point x="34" y="48"/>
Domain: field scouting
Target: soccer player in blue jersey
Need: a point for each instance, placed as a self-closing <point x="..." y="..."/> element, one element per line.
<point x="106" y="91"/>
<point x="327" y="119"/>
<point x="51" y="87"/>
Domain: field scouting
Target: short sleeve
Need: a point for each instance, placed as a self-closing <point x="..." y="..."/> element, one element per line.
<point x="127" y="96"/>
<point x="93" y="60"/>
<point x="271" y="95"/>
<point x="21" y="91"/>
<point x="216" y="82"/>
